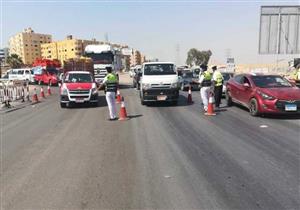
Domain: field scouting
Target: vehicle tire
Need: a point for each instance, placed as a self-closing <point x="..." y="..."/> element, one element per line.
<point x="228" y="99"/>
<point x="63" y="105"/>
<point x="253" y="107"/>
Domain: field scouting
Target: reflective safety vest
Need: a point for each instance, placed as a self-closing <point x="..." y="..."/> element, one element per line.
<point x="111" y="83"/>
<point x="296" y="75"/>
<point x="218" y="79"/>
<point x="207" y="79"/>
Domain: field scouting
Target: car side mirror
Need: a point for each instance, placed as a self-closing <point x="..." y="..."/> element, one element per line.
<point x="246" y="85"/>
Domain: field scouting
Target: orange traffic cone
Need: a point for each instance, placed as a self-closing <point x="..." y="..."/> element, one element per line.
<point x="35" y="97"/>
<point x="119" y="100"/>
<point x="210" y="108"/>
<point x="123" y="113"/>
<point x="42" y="94"/>
<point x="49" y="90"/>
<point x="189" y="99"/>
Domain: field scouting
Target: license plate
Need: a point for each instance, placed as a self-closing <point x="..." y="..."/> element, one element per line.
<point x="290" y="107"/>
<point x="79" y="100"/>
<point x="161" y="98"/>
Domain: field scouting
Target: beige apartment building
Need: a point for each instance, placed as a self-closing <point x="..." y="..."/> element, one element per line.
<point x="27" y="45"/>
<point x="135" y="58"/>
<point x="66" y="49"/>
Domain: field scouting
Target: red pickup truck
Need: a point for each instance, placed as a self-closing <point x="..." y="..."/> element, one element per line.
<point x="78" y="87"/>
<point x="47" y="76"/>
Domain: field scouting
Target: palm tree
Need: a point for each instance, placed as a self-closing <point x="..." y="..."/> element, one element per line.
<point x="14" y="61"/>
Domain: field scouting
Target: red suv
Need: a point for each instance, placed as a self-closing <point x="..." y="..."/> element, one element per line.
<point x="263" y="94"/>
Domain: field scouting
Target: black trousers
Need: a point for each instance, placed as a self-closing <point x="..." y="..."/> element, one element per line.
<point x="218" y="94"/>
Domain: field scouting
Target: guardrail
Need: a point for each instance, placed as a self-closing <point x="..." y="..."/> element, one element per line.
<point x="13" y="91"/>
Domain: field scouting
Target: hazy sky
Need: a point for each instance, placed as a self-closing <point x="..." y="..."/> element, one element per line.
<point x="154" y="27"/>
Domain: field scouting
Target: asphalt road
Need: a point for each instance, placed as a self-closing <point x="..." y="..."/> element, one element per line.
<point x="164" y="157"/>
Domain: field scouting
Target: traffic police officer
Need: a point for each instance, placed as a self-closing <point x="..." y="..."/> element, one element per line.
<point x="205" y="83"/>
<point x="111" y="84"/>
<point x="218" y="85"/>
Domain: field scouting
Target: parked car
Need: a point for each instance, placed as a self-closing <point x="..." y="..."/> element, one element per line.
<point x="159" y="82"/>
<point x="226" y="76"/>
<point x="47" y="76"/>
<point x="263" y="94"/>
<point x="21" y="74"/>
<point x="78" y="87"/>
<point x="187" y="79"/>
<point x="136" y="78"/>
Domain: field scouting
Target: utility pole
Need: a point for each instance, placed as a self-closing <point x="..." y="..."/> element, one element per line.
<point x="106" y="38"/>
<point x="177" y="54"/>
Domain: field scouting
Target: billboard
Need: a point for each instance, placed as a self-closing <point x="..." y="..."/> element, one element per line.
<point x="279" y="30"/>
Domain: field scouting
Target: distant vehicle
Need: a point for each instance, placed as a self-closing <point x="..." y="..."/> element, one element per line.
<point x="159" y="82"/>
<point x="187" y="79"/>
<point x="226" y="76"/>
<point x="132" y="72"/>
<point x="104" y="56"/>
<point x="78" y="87"/>
<point x="263" y="94"/>
<point x="136" y="78"/>
<point x="46" y="76"/>
<point x="25" y="74"/>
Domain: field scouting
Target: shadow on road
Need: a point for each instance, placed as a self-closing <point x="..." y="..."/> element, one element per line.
<point x="182" y="101"/>
<point x="122" y="86"/>
<point x="101" y="103"/>
<point x="134" y="116"/>
<point x="289" y="116"/>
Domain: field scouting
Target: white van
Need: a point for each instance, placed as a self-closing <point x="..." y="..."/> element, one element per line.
<point x="21" y="74"/>
<point x="159" y="82"/>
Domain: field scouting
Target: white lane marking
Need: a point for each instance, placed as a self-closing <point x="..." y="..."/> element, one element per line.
<point x="263" y="126"/>
<point x="167" y="176"/>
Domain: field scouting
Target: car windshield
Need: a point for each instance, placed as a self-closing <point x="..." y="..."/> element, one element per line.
<point x="188" y="75"/>
<point x="52" y="71"/>
<point x="227" y="76"/>
<point x="101" y="58"/>
<point x="270" y="81"/>
<point x="159" y="69"/>
<point x="78" y="78"/>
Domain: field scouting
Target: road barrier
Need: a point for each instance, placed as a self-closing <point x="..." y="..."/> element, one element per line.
<point x="13" y="91"/>
<point x="189" y="99"/>
<point x="123" y="113"/>
<point x="119" y="99"/>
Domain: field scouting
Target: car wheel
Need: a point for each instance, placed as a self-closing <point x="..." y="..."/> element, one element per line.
<point x="228" y="99"/>
<point x="253" y="107"/>
<point x="63" y="105"/>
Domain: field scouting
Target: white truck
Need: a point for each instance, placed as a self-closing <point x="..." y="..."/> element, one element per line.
<point x="103" y="56"/>
<point x="159" y="82"/>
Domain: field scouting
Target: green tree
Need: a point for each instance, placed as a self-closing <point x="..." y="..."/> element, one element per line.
<point x="14" y="61"/>
<point x="196" y="57"/>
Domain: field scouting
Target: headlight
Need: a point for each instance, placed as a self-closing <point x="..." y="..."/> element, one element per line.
<point x="174" y="85"/>
<point x="265" y="96"/>
<point x="64" y="91"/>
<point x="94" y="91"/>
<point x="146" y="85"/>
